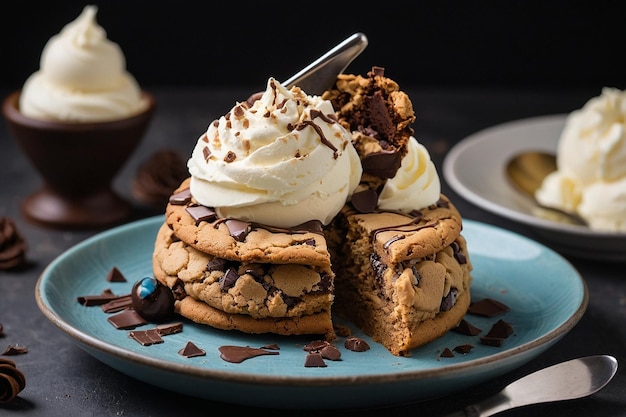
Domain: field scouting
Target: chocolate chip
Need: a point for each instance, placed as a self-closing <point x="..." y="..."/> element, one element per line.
<point x="449" y="300"/>
<point x="364" y="201"/>
<point x="330" y="352"/>
<point x="229" y="278"/>
<point x="190" y="350"/>
<point x="238" y="229"/>
<point x="118" y="303"/>
<point x="384" y="164"/>
<point x="466" y="328"/>
<point x="356" y="344"/>
<point x="181" y="198"/>
<point x="115" y="275"/>
<point x="314" y="360"/>
<point x="201" y="213"/>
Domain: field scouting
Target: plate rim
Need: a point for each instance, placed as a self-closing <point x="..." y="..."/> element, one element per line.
<point x="486" y="135"/>
<point x="80" y="337"/>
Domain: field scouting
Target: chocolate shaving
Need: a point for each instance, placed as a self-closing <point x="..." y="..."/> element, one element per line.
<point x="497" y="334"/>
<point x="12" y="245"/>
<point x="365" y="201"/>
<point x="463" y="349"/>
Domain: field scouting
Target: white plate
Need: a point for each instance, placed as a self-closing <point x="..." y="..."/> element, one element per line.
<point x="476" y="169"/>
<point x="546" y="295"/>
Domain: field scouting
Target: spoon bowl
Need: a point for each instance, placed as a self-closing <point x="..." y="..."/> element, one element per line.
<point x="526" y="172"/>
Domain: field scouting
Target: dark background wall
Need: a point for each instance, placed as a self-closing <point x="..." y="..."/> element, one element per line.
<point x="552" y="44"/>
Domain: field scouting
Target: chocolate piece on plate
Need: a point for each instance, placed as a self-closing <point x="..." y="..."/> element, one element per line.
<point x="488" y="307"/>
<point x="126" y="320"/>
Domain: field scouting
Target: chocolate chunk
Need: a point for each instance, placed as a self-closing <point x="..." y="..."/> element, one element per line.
<point x="271" y="346"/>
<point x="449" y="300"/>
<point x="488" y="307"/>
<point x="238" y="354"/>
<point x="170" y="328"/>
<point x="497" y="334"/>
<point x="356" y="344"/>
<point x="126" y="320"/>
<point x="13" y="246"/>
<point x="116" y="304"/>
<point x="191" y="350"/>
<point x="115" y="275"/>
<point x="153" y="300"/>
<point x="466" y="328"/>
<point x="316" y="345"/>
<point x="463" y="349"/>
<point x="314" y="360"/>
<point x="201" y="213"/>
<point x="181" y="198"/>
<point x="146" y="337"/>
<point x="458" y="255"/>
<point x="447" y="353"/>
<point x="229" y="279"/>
<point x="364" y="201"/>
<point x="238" y="229"/>
<point x="96" y="300"/>
<point x="330" y="352"/>
<point x="384" y="164"/>
<point x="15" y="350"/>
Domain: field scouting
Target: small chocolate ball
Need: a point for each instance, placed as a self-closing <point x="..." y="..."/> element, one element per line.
<point x="152" y="300"/>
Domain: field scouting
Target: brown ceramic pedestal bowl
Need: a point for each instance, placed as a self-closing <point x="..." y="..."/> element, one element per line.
<point x="77" y="162"/>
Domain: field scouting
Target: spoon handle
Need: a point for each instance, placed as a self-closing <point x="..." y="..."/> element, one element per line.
<point x="567" y="380"/>
<point x="320" y="75"/>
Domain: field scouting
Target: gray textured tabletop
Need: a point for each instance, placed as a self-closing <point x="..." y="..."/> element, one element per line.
<point x="63" y="380"/>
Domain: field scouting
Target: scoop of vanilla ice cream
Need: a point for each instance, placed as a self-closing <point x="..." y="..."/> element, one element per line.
<point x="82" y="77"/>
<point x="591" y="164"/>
<point x="416" y="184"/>
<point x="282" y="161"/>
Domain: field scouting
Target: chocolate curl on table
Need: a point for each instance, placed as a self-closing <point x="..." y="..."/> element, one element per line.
<point x="12" y="245"/>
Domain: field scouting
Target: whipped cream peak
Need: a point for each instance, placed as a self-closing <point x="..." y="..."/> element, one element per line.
<point x="82" y="77"/>
<point x="282" y="160"/>
<point x="416" y="184"/>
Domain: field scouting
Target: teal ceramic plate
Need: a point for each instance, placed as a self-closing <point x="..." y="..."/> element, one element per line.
<point x="546" y="296"/>
<point x="476" y="169"/>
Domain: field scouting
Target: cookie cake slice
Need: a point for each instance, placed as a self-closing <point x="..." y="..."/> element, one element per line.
<point x="403" y="271"/>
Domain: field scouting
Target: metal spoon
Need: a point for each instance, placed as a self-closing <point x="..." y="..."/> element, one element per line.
<point x="576" y="378"/>
<point x="321" y="74"/>
<point x="526" y="172"/>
